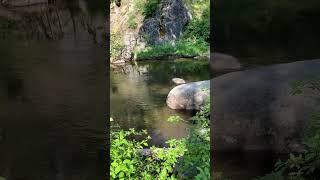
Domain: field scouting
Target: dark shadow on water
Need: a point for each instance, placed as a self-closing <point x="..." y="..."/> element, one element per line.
<point x="262" y="33"/>
<point x="52" y="123"/>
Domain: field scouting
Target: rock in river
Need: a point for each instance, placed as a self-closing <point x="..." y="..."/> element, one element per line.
<point x="189" y="96"/>
<point x="255" y="109"/>
<point x="178" y="81"/>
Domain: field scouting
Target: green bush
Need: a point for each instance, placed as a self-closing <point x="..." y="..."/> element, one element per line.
<point x="116" y="45"/>
<point x="128" y="161"/>
<point x="146" y="7"/>
<point x="199" y="28"/>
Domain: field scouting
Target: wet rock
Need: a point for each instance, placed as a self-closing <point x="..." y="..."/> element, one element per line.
<point x="189" y="96"/>
<point x="255" y="109"/>
<point x="223" y="62"/>
<point x="178" y="81"/>
<point x="167" y="23"/>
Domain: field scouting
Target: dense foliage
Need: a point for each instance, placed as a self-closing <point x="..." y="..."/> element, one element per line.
<point x="187" y="158"/>
<point x="199" y="26"/>
<point x="128" y="160"/>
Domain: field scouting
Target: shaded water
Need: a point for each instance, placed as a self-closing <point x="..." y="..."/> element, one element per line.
<point x="262" y="33"/>
<point x="138" y="96"/>
<point x="52" y="123"/>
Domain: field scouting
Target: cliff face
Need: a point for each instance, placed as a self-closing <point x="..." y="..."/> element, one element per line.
<point x="50" y="19"/>
<point x="167" y="23"/>
<point x="133" y="29"/>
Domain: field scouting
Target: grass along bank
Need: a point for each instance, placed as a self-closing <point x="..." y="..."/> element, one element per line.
<point x="183" y="48"/>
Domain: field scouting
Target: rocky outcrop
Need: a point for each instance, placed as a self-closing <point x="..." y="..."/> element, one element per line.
<point x="189" y="96"/>
<point x="223" y="62"/>
<point x="254" y="109"/>
<point x="167" y="23"/>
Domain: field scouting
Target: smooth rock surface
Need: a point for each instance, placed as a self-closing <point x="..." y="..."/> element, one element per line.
<point x="189" y="96"/>
<point x="178" y="81"/>
<point x="255" y="109"/>
<point x="223" y="62"/>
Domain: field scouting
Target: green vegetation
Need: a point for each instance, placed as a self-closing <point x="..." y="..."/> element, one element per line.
<point x="304" y="165"/>
<point x="143" y="7"/>
<point x="132" y="23"/>
<point x="187" y="158"/>
<point x="199" y="27"/>
<point x="147" y="7"/>
<point x="128" y="160"/>
<point x="116" y="45"/>
<point x="183" y="48"/>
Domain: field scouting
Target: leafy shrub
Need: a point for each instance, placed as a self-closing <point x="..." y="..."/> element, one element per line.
<point x="129" y="162"/>
<point x="116" y="45"/>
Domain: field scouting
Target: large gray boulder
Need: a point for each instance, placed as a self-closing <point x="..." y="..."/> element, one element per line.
<point x="255" y="109"/>
<point x="189" y="96"/>
<point x="167" y="23"/>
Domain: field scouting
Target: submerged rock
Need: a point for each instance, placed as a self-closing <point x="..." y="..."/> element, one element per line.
<point x="189" y="96"/>
<point x="178" y="81"/>
<point x="255" y="109"/>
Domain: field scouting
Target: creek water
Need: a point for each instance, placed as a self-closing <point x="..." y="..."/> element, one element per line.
<point x="52" y="123"/>
<point x="138" y="96"/>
